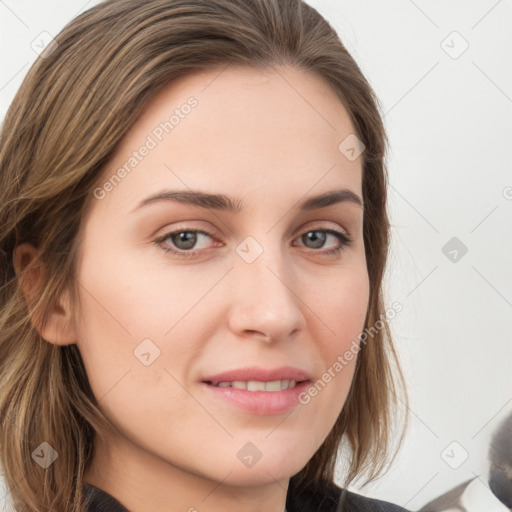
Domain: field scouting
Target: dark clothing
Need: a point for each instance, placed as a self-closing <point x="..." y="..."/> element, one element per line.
<point x="334" y="499"/>
<point x="331" y="499"/>
<point x="101" y="501"/>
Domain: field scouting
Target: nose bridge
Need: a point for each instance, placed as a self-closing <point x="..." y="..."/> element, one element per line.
<point x="264" y="299"/>
<point x="263" y="262"/>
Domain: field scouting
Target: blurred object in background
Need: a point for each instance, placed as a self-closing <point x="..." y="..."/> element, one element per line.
<point x="500" y="457"/>
<point x="476" y="495"/>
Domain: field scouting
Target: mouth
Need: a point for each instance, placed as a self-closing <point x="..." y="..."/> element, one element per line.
<point x="257" y="390"/>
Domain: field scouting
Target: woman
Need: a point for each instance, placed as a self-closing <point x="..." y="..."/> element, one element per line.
<point x="194" y="234"/>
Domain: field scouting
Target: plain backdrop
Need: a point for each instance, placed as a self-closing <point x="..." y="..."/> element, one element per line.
<point x="442" y="71"/>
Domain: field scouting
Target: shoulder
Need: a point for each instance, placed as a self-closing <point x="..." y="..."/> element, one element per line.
<point x="331" y="498"/>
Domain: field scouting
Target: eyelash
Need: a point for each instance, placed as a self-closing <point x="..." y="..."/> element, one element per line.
<point x="345" y="240"/>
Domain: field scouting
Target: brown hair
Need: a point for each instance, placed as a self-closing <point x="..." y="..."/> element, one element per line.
<point x="75" y="105"/>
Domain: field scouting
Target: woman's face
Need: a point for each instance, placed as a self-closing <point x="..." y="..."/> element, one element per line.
<point x="252" y="291"/>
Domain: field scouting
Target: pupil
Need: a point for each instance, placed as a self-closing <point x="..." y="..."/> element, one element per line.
<point x="182" y="237"/>
<point x="318" y="238"/>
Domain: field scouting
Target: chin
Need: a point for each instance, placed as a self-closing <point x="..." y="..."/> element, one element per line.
<point x="272" y="466"/>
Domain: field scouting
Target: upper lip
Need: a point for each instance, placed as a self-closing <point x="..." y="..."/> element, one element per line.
<point x="259" y="374"/>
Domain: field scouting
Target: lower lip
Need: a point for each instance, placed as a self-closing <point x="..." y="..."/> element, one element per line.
<point x="260" y="402"/>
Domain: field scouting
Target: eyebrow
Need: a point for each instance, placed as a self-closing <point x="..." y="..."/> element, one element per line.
<point x="225" y="203"/>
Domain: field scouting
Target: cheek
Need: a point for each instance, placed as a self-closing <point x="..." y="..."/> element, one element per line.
<point x="341" y="305"/>
<point x="132" y="312"/>
<point x="341" y="309"/>
<point x="141" y="294"/>
<point x="117" y="314"/>
<point x="127" y="358"/>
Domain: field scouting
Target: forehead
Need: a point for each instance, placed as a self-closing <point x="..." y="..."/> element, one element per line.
<point x="245" y="130"/>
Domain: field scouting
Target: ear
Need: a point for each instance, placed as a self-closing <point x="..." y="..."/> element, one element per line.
<point x="59" y="328"/>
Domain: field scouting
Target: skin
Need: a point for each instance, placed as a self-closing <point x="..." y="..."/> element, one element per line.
<point x="271" y="139"/>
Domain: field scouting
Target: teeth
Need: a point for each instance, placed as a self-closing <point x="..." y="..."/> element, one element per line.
<point x="275" y="385"/>
<point x="255" y="385"/>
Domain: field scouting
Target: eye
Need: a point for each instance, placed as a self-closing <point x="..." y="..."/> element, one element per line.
<point x="184" y="240"/>
<point x="318" y="237"/>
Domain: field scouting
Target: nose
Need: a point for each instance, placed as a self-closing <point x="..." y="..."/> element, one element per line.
<point x="265" y="299"/>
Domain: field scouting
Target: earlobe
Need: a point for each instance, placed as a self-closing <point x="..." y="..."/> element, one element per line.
<point x="58" y="328"/>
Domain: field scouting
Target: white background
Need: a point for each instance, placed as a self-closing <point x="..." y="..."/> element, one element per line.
<point x="450" y="126"/>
